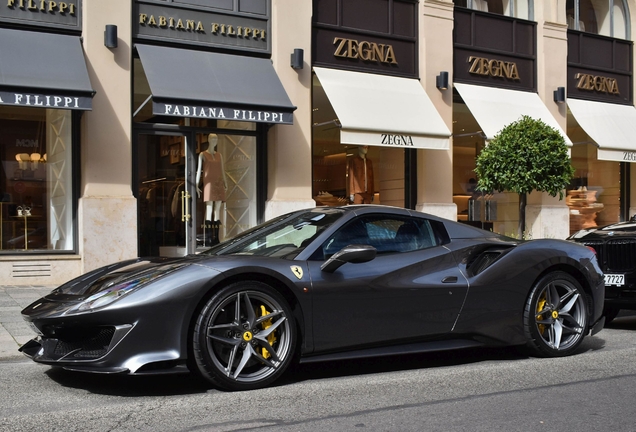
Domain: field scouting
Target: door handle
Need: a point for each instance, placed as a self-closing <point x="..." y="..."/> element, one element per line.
<point x="185" y="206"/>
<point x="449" y="279"/>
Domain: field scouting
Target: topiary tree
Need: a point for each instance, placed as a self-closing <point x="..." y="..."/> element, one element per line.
<point x="525" y="156"/>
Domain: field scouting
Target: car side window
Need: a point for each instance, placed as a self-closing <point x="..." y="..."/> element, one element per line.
<point x="388" y="234"/>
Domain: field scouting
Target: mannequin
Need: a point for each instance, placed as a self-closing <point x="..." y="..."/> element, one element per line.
<point x="211" y="172"/>
<point x="361" y="178"/>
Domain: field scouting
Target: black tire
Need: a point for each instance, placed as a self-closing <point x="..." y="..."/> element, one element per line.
<point x="555" y="316"/>
<point x="244" y="337"/>
<point x="610" y="314"/>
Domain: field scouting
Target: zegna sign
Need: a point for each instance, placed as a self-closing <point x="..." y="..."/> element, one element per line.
<point x="597" y="83"/>
<point x="363" y="50"/>
<point x="493" y="67"/>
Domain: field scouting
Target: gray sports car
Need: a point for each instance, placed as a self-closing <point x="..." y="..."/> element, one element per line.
<point x="321" y="284"/>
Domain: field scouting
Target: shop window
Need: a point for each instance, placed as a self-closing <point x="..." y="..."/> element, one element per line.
<point x="594" y="194"/>
<point x="604" y="17"/>
<point x="495" y="211"/>
<point x="36" y="184"/>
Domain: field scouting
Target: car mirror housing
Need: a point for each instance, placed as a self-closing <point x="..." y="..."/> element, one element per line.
<point x="349" y="254"/>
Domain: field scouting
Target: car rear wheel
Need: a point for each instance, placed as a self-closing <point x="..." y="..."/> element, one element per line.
<point x="244" y="337"/>
<point x="555" y="316"/>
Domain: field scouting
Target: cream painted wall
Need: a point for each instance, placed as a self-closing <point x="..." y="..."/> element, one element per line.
<point x="107" y="128"/>
<point x="289" y="148"/>
<point x="107" y="208"/>
<point x="435" y="167"/>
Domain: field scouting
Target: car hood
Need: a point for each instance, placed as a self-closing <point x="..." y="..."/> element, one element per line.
<point x="134" y="270"/>
<point x="105" y="277"/>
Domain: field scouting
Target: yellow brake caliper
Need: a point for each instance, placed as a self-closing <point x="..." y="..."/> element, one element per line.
<point x="540" y="305"/>
<point x="272" y="337"/>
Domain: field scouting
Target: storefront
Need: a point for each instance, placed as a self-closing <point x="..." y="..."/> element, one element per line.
<point x="44" y="89"/>
<point x="205" y="94"/>
<point x="495" y="83"/>
<point x="371" y="115"/>
<point x="601" y="114"/>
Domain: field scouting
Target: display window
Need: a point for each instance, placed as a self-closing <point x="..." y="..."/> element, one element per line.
<point x="36" y="185"/>
<point x="593" y="197"/>
<point x="345" y="174"/>
<point x="491" y="210"/>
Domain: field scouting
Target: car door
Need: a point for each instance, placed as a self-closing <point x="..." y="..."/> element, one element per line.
<point x="412" y="289"/>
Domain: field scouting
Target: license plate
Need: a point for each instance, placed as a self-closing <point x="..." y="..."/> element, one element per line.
<point x="614" y="279"/>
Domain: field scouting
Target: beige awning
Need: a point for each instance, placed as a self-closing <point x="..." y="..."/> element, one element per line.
<point x="383" y="110"/>
<point x="495" y="108"/>
<point x="611" y="126"/>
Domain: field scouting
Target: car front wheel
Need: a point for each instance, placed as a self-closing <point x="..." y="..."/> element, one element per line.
<point x="555" y="316"/>
<point x="244" y="337"/>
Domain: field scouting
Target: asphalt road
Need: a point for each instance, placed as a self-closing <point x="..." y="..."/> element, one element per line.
<point x="473" y="390"/>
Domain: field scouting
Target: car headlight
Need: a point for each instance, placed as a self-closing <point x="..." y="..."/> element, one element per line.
<point x="113" y="290"/>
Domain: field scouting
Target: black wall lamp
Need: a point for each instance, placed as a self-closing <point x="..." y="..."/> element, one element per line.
<point x="297" y="61"/>
<point x="559" y="95"/>
<point x="441" y="81"/>
<point x="110" y="36"/>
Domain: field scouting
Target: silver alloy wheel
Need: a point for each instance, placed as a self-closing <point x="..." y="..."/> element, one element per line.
<point x="561" y="314"/>
<point x="248" y="336"/>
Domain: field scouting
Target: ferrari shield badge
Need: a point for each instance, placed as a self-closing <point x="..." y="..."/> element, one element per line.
<point x="297" y="271"/>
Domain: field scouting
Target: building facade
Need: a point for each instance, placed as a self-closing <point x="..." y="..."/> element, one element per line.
<point x="158" y="127"/>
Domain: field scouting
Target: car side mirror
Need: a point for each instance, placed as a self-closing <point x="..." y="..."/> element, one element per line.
<point x="349" y="254"/>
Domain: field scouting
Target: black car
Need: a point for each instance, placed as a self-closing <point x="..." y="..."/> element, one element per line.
<point x="316" y="285"/>
<point x="615" y="247"/>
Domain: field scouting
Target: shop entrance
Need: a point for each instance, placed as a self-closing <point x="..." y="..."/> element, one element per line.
<point x="195" y="188"/>
<point x="165" y="187"/>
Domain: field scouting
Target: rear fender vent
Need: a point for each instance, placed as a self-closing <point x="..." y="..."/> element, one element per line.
<point x="30" y="270"/>
<point x="483" y="261"/>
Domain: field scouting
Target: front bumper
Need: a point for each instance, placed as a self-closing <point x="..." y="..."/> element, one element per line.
<point x="87" y="344"/>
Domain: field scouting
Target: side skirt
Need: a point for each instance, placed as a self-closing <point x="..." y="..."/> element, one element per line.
<point x="413" y="348"/>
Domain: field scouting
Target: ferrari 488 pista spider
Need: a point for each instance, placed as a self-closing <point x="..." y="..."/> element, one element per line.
<point x="321" y="284"/>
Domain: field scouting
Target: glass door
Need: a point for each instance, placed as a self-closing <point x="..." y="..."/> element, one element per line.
<point x="165" y="187"/>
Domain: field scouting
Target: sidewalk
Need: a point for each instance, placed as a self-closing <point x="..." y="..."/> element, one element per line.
<point x="13" y="330"/>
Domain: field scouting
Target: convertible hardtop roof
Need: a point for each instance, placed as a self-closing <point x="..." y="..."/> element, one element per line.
<point x="455" y="229"/>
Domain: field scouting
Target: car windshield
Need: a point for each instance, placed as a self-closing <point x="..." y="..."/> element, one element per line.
<point x="285" y="236"/>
